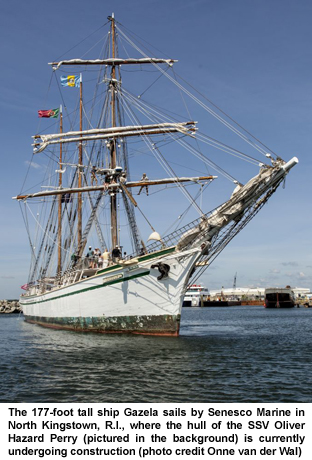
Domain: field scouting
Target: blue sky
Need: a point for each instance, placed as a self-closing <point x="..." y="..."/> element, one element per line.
<point x="252" y="58"/>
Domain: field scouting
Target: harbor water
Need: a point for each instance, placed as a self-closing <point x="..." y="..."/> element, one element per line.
<point x="233" y="354"/>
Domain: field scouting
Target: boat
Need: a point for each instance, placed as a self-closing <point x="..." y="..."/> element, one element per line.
<point x="95" y="188"/>
<point x="279" y="298"/>
<point x="195" y="296"/>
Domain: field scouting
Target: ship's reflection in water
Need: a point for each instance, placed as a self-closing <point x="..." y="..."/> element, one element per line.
<point x="235" y="354"/>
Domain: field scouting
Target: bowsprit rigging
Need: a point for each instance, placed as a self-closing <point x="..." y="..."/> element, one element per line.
<point x="95" y="200"/>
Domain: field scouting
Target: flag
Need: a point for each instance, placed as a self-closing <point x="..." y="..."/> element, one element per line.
<point x="71" y="80"/>
<point x="25" y="287"/>
<point x="53" y="113"/>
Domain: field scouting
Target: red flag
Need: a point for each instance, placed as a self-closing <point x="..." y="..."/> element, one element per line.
<point x="53" y="113"/>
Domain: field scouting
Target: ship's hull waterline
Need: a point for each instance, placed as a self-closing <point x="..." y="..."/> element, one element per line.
<point x="117" y="300"/>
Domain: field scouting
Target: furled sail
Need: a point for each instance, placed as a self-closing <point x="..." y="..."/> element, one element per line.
<point x="243" y="198"/>
<point x="186" y="128"/>
<point x="112" y="62"/>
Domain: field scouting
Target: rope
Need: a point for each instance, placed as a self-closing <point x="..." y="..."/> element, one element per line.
<point x="208" y="109"/>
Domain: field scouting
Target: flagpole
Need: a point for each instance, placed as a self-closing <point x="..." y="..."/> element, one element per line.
<point x="79" y="210"/>
<point x="59" y="259"/>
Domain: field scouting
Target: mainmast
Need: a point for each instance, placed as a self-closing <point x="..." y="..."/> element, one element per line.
<point x="113" y="197"/>
<point x="59" y="252"/>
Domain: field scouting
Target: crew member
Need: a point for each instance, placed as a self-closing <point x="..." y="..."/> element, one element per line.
<point x="93" y="176"/>
<point x="144" y="179"/>
<point x="116" y="254"/>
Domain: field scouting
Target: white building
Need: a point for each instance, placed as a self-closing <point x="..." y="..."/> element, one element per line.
<point x="256" y="293"/>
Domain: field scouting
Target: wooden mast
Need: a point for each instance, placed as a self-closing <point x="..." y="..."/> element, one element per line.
<point x="113" y="198"/>
<point x="79" y="210"/>
<point x="59" y="233"/>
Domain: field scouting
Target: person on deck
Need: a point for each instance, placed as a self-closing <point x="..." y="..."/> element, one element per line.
<point x="105" y="257"/>
<point x="144" y="179"/>
<point x="89" y="256"/>
<point x="97" y="254"/>
<point x="116" y="254"/>
<point x="74" y="259"/>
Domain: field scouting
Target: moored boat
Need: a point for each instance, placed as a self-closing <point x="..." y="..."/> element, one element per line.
<point x="279" y="298"/>
<point x="195" y="296"/>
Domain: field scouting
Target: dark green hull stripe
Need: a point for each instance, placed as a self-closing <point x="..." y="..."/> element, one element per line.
<point x="89" y="288"/>
<point x="140" y="259"/>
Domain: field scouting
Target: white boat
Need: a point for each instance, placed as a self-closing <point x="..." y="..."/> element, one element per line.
<point x="87" y="195"/>
<point x="195" y="295"/>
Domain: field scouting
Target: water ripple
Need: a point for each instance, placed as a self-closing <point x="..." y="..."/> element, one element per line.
<point x="238" y="354"/>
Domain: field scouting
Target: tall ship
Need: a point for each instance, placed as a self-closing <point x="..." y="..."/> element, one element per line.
<point x="123" y="216"/>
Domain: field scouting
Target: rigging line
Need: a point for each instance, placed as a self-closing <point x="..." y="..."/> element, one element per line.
<point x="38" y="223"/>
<point x="39" y="183"/>
<point x="168" y="168"/>
<point x="124" y="48"/>
<point x="84" y="39"/>
<point x="46" y="97"/>
<point x="215" y="115"/>
<point x="227" y="146"/>
<point x="140" y="95"/>
<point x="228" y="116"/>
<point x="24" y="216"/>
<point x="143" y="107"/>
<point x="87" y="118"/>
<point x="153" y="148"/>
<point x="188" y="112"/>
<point x="27" y="172"/>
<point x="205" y="107"/>
<point x="95" y="44"/>
<point x="178" y="221"/>
<point x="194" y="152"/>
<point x="167" y="187"/>
<point x="205" y="159"/>
<point x="104" y="52"/>
<point x="140" y="38"/>
<point x="229" y="152"/>
<point x="164" y="164"/>
<point x="182" y="188"/>
<point x="163" y="112"/>
<point x="139" y="209"/>
<point x="59" y="88"/>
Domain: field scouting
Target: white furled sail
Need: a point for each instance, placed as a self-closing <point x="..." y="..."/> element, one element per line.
<point x="111" y="133"/>
<point x="111" y="62"/>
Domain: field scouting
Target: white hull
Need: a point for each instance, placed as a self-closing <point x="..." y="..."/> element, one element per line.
<point x="123" y="299"/>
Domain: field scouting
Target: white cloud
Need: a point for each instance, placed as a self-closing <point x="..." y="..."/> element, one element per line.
<point x="32" y="164"/>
